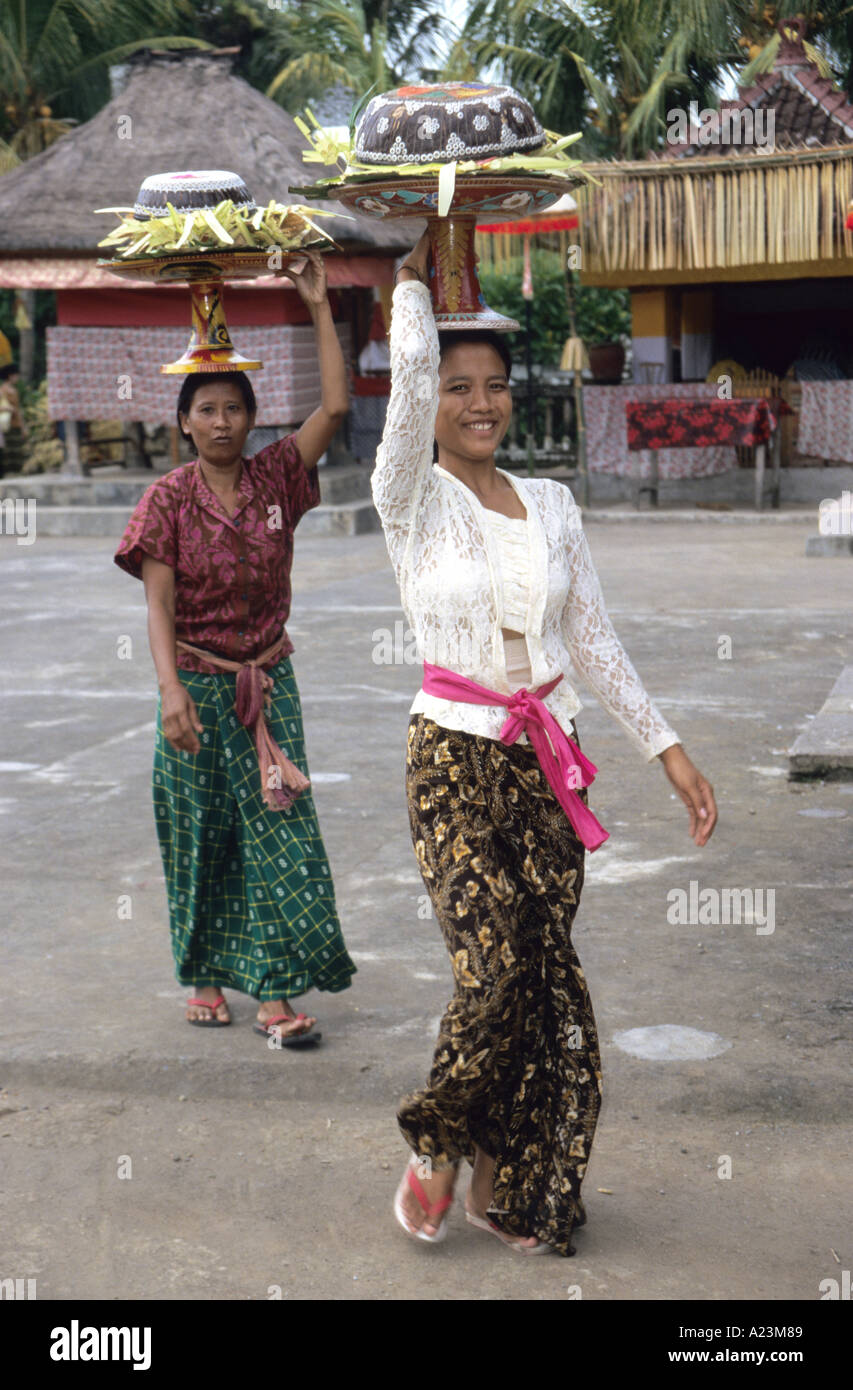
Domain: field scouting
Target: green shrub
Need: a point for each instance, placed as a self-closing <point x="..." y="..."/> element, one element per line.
<point x="601" y="315"/>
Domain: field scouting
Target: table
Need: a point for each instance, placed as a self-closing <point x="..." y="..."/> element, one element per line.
<point x="745" y="422"/>
<point x="607" y="435"/>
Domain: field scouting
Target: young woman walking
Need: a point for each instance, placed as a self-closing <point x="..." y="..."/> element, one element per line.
<point x="497" y="583"/>
<point x="251" y="900"/>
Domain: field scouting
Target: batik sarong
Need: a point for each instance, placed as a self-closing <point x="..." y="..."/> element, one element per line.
<point x="251" y="899"/>
<point x="516" y="1069"/>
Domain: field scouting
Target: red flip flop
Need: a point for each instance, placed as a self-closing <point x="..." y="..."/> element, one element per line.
<point x="430" y="1209"/>
<point x="211" y="1022"/>
<point x="268" y="1029"/>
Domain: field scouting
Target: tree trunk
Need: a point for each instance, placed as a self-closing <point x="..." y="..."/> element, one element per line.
<point x="27" y="336"/>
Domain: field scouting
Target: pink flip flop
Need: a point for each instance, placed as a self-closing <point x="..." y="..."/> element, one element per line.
<point x="430" y="1210"/>
<point x="487" y="1225"/>
<point x="211" y="1022"/>
<point x="306" y="1037"/>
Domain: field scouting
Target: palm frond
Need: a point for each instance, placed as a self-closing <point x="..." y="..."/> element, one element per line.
<point x="762" y="62"/>
<point x="8" y="158"/>
<point x="313" y="68"/>
<point x="358" y="108"/>
<point x="597" y="89"/>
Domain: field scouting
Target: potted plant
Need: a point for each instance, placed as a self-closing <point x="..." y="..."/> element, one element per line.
<point x="603" y="320"/>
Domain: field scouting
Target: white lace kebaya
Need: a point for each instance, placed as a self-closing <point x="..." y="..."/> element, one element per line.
<point x="446" y="558"/>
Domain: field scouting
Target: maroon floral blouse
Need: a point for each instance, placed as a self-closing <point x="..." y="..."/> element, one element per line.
<point x="232" y="574"/>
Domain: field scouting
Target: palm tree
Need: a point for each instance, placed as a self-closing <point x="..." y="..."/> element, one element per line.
<point x="412" y="29"/>
<point x="615" y="67"/>
<point x="591" y="66"/>
<point x="356" y="44"/>
<point x="55" y="57"/>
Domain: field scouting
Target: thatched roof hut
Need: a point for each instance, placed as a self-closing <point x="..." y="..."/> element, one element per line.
<point x="733" y="244"/>
<point x="757" y="189"/>
<point x="178" y="110"/>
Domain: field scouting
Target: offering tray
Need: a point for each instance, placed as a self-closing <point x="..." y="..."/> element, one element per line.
<point x="458" y="300"/>
<point x="210" y="348"/>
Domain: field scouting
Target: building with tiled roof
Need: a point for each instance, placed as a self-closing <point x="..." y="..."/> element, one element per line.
<point x="733" y="240"/>
<point x="805" y="110"/>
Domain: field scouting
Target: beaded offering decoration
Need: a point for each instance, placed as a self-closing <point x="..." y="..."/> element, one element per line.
<point x="190" y="189"/>
<point x="201" y="227"/>
<point x="448" y="152"/>
<point x="428" y="124"/>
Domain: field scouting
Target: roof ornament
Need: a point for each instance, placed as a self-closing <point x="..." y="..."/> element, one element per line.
<point x="792" y="50"/>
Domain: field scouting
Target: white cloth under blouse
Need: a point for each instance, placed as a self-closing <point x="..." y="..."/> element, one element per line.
<point x="511" y="538"/>
<point x="456" y="592"/>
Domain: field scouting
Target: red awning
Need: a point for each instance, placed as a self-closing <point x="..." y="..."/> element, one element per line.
<point x="532" y="225"/>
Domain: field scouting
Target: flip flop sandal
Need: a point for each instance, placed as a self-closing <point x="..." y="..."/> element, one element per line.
<point x="430" y="1210"/>
<point x="209" y="1022"/>
<point x="303" y="1039"/>
<point x="494" y="1230"/>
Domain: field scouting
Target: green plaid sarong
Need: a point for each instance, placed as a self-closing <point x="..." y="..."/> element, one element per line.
<point x="251" y="899"/>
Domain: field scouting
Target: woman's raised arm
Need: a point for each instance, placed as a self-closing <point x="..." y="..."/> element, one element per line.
<point x="404" y="456"/>
<point x="315" y="435"/>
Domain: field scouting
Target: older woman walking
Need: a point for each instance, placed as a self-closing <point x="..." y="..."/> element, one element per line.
<point x="251" y="899"/>
<point x="497" y="583"/>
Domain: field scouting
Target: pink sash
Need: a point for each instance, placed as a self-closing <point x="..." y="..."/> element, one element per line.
<point x="253" y="696"/>
<point x="563" y="763"/>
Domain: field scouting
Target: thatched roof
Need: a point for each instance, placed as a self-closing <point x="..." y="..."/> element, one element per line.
<point x="763" y="216"/>
<point x="732" y="207"/>
<point x="181" y="110"/>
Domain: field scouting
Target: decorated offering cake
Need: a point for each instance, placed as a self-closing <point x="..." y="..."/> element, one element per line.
<point x="202" y="226"/>
<point x="190" y="189"/>
<point x="458" y="120"/>
<point x="449" y="152"/>
<point x="476" y="127"/>
<point x="206" y="209"/>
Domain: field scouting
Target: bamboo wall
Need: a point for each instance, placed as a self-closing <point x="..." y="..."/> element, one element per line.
<point x="504" y="251"/>
<point x="717" y="213"/>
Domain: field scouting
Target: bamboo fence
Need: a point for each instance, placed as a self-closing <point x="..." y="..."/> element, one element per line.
<point x="714" y="213"/>
<point x="504" y="251"/>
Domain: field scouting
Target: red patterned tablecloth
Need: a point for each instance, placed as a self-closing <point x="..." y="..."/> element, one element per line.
<point x="698" y="424"/>
<point x="114" y="373"/>
<point x="607" y="433"/>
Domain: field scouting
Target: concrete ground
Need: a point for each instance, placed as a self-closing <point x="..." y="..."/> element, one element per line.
<point x="250" y="1169"/>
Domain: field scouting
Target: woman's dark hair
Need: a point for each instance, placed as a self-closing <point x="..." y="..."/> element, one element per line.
<point x="453" y="337"/>
<point x="9" y="370"/>
<point x="192" y="382"/>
